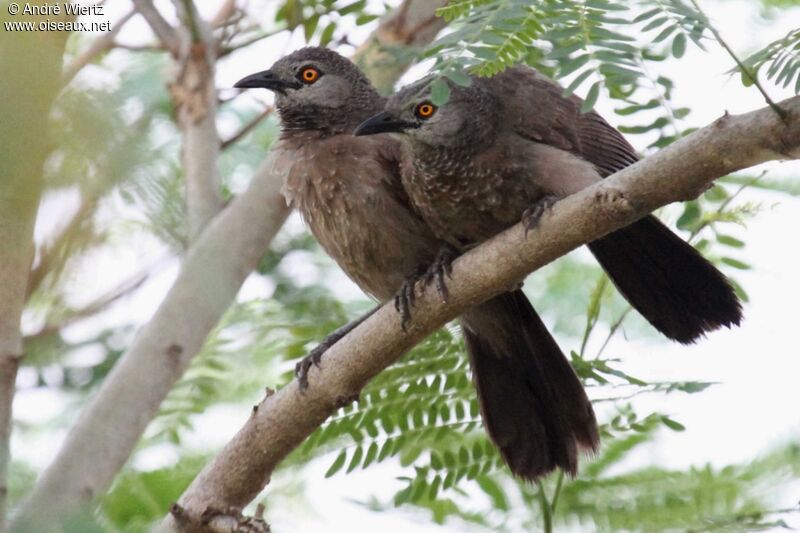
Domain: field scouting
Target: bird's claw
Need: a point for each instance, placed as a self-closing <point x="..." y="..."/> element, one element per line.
<point x="312" y="359"/>
<point x="440" y="269"/>
<point x="533" y="215"/>
<point x="406" y="297"/>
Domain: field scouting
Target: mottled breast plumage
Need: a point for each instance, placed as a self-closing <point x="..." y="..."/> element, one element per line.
<point x="360" y="216"/>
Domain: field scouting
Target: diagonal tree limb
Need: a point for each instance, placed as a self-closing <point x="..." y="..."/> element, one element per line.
<point x="121" y="290"/>
<point x="100" y="45"/>
<point x="163" y="30"/>
<point x="247" y="128"/>
<point x="680" y="172"/>
<point x="212" y="272"/>
<point x="227" y="10"/>
<point x="48" y="253"/>
<point x="112" y="423"/>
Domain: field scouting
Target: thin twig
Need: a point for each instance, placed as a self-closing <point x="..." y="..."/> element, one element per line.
<point x="100" y="45"/>
<point x="224" y="13"/>
<point x="614" y="327"/>
<point x="190" y="17"/>
<point x="226" y="50"/>
<point x="544" y="505"/>
<point x="753" y="77"/>
<point x="557" y="492"/>
<point x="247" y="128"/>
<point x="48" y="255"/>
<point x="139" y="47"/>
<point x="725" y="204"/>
<point x="119" y="291"/>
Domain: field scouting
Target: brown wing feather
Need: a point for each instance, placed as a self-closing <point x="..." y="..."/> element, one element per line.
<point x="539" y="111"/>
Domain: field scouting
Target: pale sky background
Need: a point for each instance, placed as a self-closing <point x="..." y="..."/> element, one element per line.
<point x="753" y="410"/>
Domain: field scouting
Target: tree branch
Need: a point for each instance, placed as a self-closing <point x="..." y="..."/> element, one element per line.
<point x="100" y="45"/>
<point x="121" y="290"/>
<point x="194" y="95"/>
<point x="247" y="128"/>
<point x="214" y="268"/>
<point x="212" y="272"/>
<point x="413" y="24"/>
<point x="165" y="33"/>
<point x="51" y="255"/>
<point x="680" y="172"/>
<point x="225" y="12"/>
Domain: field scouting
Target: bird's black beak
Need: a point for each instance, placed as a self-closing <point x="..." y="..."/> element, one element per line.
<point x="382" y="123"/>
<point x="268" y="80"/>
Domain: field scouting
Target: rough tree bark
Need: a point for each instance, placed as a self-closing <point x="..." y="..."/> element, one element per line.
<point x="212" y="272"/>
<point x="23" y="149"/>
<point x="680" y="172"/>
<point x="194" y="95"/>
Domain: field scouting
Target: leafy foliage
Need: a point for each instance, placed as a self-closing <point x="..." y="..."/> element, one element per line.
<point x="585" y="40"/>
<point x="781" y="59"/>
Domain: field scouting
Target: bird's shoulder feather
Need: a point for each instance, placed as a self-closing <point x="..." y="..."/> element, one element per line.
<point x="536" y="107"/>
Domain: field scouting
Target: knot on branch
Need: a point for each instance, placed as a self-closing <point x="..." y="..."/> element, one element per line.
<point x="613" y="202"/>
<point x="213" y="520"/>
<point x="174" y="351"/>
<point x="231" y="520"/>
<point x="193" y="86"/>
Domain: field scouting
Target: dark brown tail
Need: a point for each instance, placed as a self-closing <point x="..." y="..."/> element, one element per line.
<point x="533" y="405"/>
<point x="670" y="283"/>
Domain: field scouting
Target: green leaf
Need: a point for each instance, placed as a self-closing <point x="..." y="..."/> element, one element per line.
<point x="691" y="215"/>
<point x="372" y="453"/>
<point x="646" y="15"/>
<point x="735" y="263"/>
<point x="436" y="484"/>
<point x="591" y="98"/>
<point x="356" y="460"/>
<point x="337" y="464"/>
<point x="436" y="461"/>
<point x="310" y="26"/>
<point x="727" y="240"/>
<point x="653" y="24"/>
<point x="327" y="34"/>
<point x="440" y="92"/>
<point x="664" y="34"/>
<point x="679" y="45"/>
<point x="577" y="82"/>
<point x="365" y="19"/>
<point x="494" y="491"/>
<point x="459" y="78"/>
<point x="352" y="8"/>
<point x="672" y="424"/>
<point x="573" y="64"/>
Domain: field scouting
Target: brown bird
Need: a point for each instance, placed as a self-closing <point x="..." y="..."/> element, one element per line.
<point x="507" y="148"/>
<point x="348" y="189"/>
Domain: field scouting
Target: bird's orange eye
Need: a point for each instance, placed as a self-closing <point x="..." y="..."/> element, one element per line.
<point x="425" y="110"/>
<point x="309" y="75"/>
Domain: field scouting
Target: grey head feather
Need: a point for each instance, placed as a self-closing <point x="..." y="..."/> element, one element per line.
<point x="468" y="121"/>
<point x="341" y="97"/>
